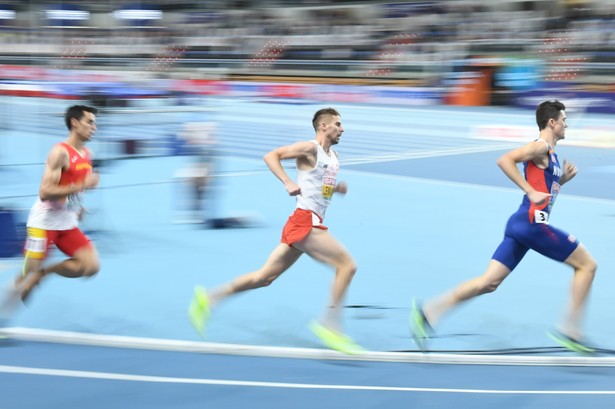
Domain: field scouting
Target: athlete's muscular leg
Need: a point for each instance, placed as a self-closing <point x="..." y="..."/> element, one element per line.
<point x="584" y="272"/>
<point x="30" y="276"/>
<point x="322" y="246"/>
<point x="84" y="263"/>
<point x="280" y="259"/>
<point x="487" y="282"/>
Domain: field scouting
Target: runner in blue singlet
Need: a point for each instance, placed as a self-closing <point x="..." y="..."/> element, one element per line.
<point x="529" y="228"/>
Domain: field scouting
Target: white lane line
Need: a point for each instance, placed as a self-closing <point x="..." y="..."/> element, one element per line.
<point x="284" y="385"/>
<point x="155" y="344"/>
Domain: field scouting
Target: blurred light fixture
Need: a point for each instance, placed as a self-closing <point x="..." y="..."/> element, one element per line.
<point x="7" y="14"/>
<point x="135" y="14"/>
<point x="67" y="15"/>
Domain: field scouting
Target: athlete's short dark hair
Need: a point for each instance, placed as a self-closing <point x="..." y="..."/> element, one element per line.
<point x="77" y="112"/>
<point x="548" y="110"/>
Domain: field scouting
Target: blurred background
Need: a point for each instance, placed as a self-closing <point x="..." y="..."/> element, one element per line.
<point x="431" y="51"/>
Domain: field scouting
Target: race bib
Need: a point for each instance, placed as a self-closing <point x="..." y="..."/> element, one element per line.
<point x="36" y="244"/>
<point x="541" y="217"/>
<point x="327" y="191"/>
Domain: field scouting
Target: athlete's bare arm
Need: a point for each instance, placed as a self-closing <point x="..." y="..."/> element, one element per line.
<point x="305" y="154"/>
<point x="534" y="151"/>
<point x="50" y="188"/>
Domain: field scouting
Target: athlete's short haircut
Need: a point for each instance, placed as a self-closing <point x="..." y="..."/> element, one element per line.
<point x="548" y="110"/>
<point x="77" y="112"/>
<point x="318" y="116"/>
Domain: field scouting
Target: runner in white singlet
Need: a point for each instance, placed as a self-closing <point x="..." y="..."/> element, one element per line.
<point x="317" y="168"/>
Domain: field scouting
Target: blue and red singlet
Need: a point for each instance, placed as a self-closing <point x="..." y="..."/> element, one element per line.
<point x="529" y="228"/>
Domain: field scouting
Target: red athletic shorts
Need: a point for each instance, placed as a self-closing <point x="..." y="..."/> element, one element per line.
<point x="67" y="241"/>
<point x="299" y="225"/>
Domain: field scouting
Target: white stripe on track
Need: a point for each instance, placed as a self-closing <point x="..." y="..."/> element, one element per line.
<point x="101" y="340"/>
<point x="283" y="385"/>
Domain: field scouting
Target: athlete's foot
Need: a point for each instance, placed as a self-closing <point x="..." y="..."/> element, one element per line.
<point x="10" y="301"/>
<point x="199" y="310"/>
<point x="335" y="339"/>
<point x="571" y="344"/>
<point x="420" y="328"/>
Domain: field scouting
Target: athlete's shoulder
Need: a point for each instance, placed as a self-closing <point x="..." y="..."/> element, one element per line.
<point x="312" y="143"/>
<point x="60" y="149"/>
<point x="532" y="150"/>
<point x="308" y="147"/>
<point x="62" y="145"/>
<point x="539" y="145"/>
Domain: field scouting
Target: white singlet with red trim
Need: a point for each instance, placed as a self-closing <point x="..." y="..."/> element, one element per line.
<point x="317" y="184"/>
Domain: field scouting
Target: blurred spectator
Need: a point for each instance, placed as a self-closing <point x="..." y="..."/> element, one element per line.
<point x="196" y="196"/>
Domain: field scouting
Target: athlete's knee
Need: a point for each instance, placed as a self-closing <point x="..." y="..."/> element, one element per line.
<point x="593" y="264"/>
<point x="590" y="267"/>
<point x="264" y="282"/>
<point x="87" y="262"/>
<point x="348" y="267"/>
<point x="263" y="279"/>
<point x="585" y="265"/>
<point x="89" y="268"/>
<point x="352" y="268"/>
<point x="91" y="271"/>
<point x="490" y="287"/>
<point x="487" y="286"/>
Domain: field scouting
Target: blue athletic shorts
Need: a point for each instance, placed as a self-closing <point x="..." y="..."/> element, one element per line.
<point x="521" y="235"/>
